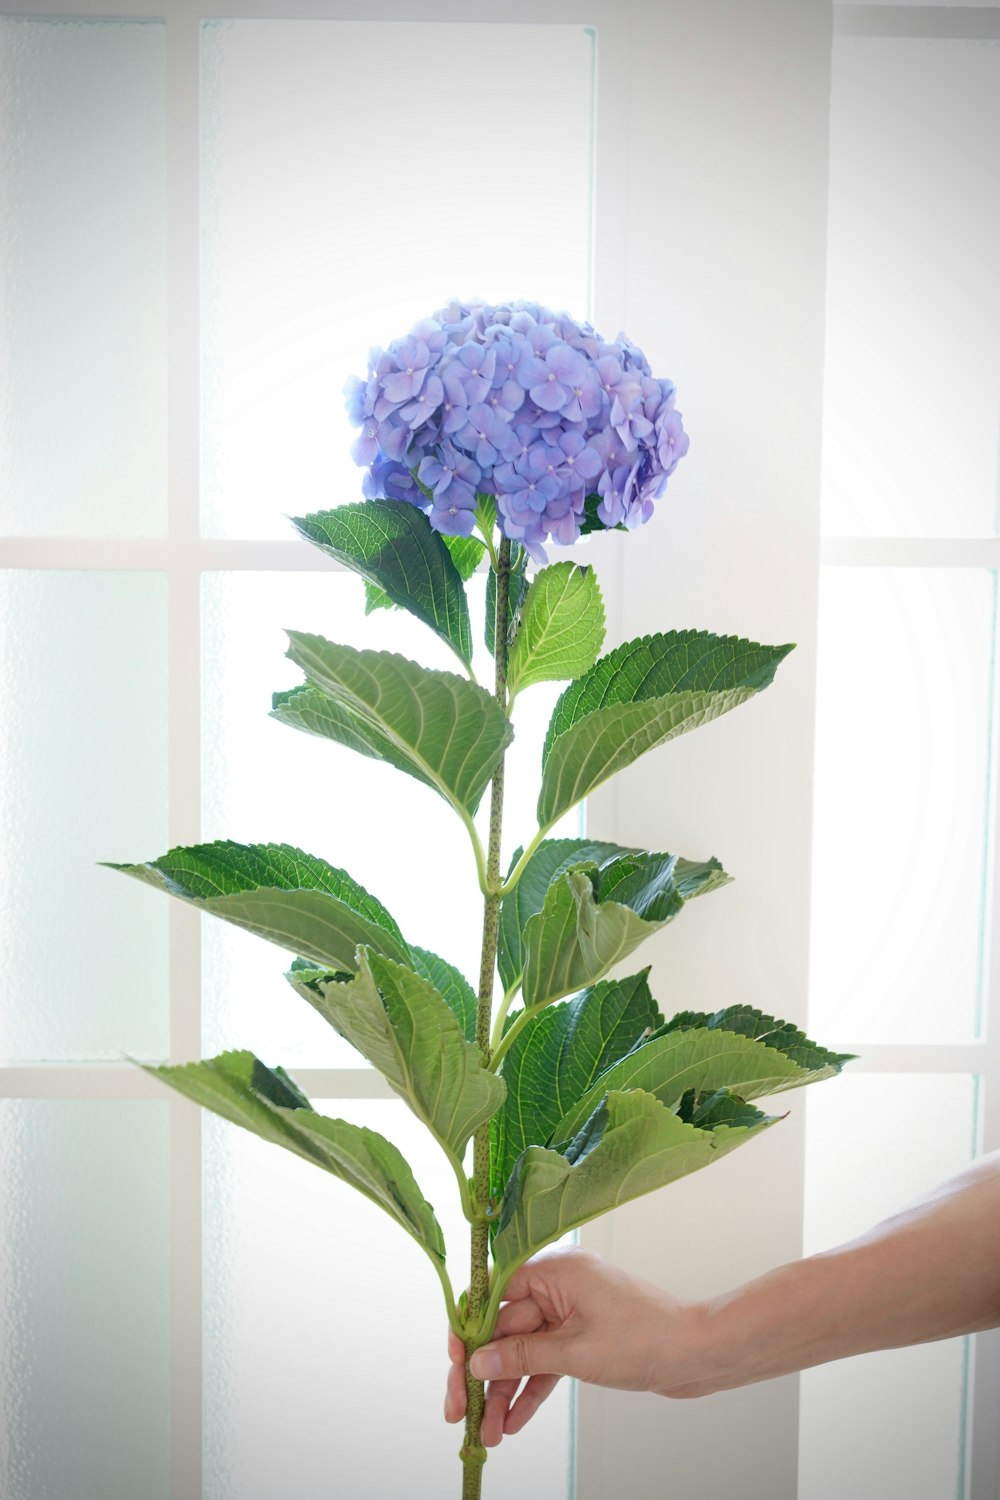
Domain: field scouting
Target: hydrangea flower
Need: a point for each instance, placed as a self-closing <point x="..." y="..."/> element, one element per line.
<point x="522" y="404"/>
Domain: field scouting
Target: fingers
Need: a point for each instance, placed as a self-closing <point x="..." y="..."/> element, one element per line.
<point x="518" y="1356"/>
<point x="518" y="1317"/>
<point x="455" y="1398"/>
<point x="536" y="1390"/>
<point x="499" y="1395"/>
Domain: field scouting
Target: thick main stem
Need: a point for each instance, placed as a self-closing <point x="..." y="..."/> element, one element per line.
<point x="473" y="1452"/>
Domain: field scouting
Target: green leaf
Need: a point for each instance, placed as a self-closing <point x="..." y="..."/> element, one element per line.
<point x="556" y="1058"/>
<point x="671" y="1063"/>
<point x="551" y="858"/>
<point x="391" y="545"/>
<point x="452" y="985"/>
<point x="307" y="709"/>
<point x="239" y="1087"/>
<point x="630" y="1145"/>
<point x="376" y="598"/>
<point x="595" y="916"/>
<point x="723" y="1107"/>
<point x="280" y="893"/>
<point x="467" y="552"/>
<point x="401" y="1024"/>
<point x="592" y="521"/>
<point x="516" y="590"/>
<point x="561" y="629"/>
<point x="436" y="726"/>
<point x="781" y="1035"/>
<point x="641" y="695"/>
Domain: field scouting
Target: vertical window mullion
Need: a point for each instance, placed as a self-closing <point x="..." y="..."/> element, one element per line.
<point x="184" y="737"/>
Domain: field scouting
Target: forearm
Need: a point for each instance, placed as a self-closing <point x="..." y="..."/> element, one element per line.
<point x="930" y="1272"/>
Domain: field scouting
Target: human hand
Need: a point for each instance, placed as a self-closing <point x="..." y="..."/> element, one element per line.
<point x="571" y="1313"/>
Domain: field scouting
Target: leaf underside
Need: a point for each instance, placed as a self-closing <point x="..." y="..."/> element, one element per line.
<point x="551" y="858"/>
<point x="242" y="1089"/>
<point x="670" y="1063"/>
<point x="400" y="1023"/>
<point x="595" y="916"/>
<point x="436" y="726"/>
<point x="629" y="1145"/>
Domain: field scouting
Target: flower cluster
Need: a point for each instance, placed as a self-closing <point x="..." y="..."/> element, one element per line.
<point x="522" y="404"/>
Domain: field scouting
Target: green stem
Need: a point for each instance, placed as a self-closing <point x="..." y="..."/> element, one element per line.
<point x="509" y="997"/>
<point x="523" y="1017"/>
<point x="518" y="869"/>
<point x="473" y="1454"/>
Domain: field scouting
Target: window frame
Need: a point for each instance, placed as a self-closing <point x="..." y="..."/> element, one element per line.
<point x="764" y="573"/>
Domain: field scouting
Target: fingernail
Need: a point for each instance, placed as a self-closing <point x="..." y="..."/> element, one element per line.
<point x="486" y="1363"/>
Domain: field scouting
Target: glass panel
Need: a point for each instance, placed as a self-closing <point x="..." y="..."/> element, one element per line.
<point x="83" y="777"/>
<point x="887" y="1424"/>
<point x="912" y="420"/>
<point x="902" y="754"/>
<point x="83" y="276"/>
<point x="264" y="782"/>
<point x="309" y="1287"/>
<point x="331" y="224"/>
<point x="83" y="1300"/>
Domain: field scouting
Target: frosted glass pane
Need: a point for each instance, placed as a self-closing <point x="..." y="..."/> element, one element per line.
<point x="902" y="749"/>
<point x="308" y="1288"/>
<point x="912" y="420"/>
<point x="265" y="782"/>
<point x="888" y="1424"/>
<point x="83" y="1300"/>
<point x="82" y="277"/>
<point x="356" y="178"/>
<point x="83" y="778"/>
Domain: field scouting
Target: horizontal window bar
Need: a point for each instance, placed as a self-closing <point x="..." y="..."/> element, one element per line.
<point x="163" y="554"/>
<point x="957" y="23"/>
<point x="111" y="1080"/>
<point x="909" y="552"/>
<point x="956" y="1057"/>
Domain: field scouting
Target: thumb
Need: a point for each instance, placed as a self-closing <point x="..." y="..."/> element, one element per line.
<point x="517" y="1357"/>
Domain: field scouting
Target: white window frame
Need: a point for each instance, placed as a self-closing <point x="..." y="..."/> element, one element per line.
<point x="735" y="547"/>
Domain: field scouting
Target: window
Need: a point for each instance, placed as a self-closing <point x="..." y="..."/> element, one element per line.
<point x="903" y="914"/>
<point x="196" y="247"/>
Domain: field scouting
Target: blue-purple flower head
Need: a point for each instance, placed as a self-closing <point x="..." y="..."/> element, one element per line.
<point x="522" y="404"/>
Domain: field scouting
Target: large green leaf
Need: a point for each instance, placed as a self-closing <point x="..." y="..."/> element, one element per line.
<point x="280" y="893"/>
<point x="782" y="1035"/>
<point x="561" y="629"/>
<point x="630" y="1145"/>
<point x="551" y="858"/>
<point x="401" y="1024"/>
<point x="704" y="1059"/>
<point x="436" y="726"/>
<point x="391" y="544"/>
<point x="239" y="1087"/>
<point x="596" y="915"/>
<point x="644" y="693"/>
<point x="556" y="1058"/>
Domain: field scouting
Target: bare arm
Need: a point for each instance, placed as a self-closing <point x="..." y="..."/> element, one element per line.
<point x="929" y="1272"/>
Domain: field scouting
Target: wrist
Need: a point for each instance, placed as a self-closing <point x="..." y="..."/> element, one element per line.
<point x="689" y="1351"/>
